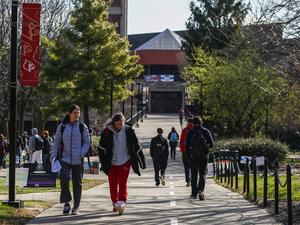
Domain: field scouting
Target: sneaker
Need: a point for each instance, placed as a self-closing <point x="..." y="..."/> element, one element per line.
<point x="75" y="211"/>
<point x="115" y="207"/>
<point x="193" y="196"/>
<point x="157" y="184"/>
<point x="121" y="207"/>
<point x="162" y="180"/>
<point x="67" y="209"/>
<point x="201" y="196"/>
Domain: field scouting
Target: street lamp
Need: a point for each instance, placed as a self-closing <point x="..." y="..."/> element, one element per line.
<point x="137" y="104"/>
<point x="111" y="96"/>
<point x="131" y="105"/>
<point x="13" y="108"/>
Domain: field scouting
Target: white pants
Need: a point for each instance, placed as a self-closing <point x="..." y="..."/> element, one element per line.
<point x="36" y="157"/>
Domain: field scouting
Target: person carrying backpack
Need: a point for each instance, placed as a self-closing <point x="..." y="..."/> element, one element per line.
<point x="119" y="150"/>
<point x="159" y="152"/>
<point x="184" y="157"/>
<point x="173" y="138"/>
<point x="71" y="144"/>
<point x="36" y="145"/>
<point x="198" y="142"/>
<point x="48" y="143"/>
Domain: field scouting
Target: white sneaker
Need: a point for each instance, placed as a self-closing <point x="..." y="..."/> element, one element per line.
<point x="115" y="207"/>
<point x="121" y="207"/>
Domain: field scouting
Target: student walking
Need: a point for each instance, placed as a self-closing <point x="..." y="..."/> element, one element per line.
<point x="3" y="150"/>
<point x="159" y="151"/>
<point x="181" y="115"/>
<point x="198" y="142"/>
<point x="185" y="160"/>
<point x="173" y="138"/>
<point x="36" y="145"/>
<point x="48" y="144"/>
<point x="119" y="150"/>
<point x="71" y="144"/>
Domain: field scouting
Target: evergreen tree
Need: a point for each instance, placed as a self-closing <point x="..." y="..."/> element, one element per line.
<point x="213" y="24"/>
<point x="89" y="56"/>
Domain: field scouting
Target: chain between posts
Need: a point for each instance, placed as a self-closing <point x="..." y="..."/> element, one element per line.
<point x="232" y="169"/>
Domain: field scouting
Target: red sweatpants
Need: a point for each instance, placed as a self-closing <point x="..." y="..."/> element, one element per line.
<point x="117" y="177"/>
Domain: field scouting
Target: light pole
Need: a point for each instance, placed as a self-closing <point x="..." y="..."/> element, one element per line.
<point x="111" y="96"/>
<point x="13" y="108"/>
<point x="137" y="105"/>
<point x="142" y="101"/>
<point x="131" y="105"/>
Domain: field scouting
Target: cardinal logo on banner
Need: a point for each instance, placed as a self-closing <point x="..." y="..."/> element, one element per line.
<point x="30" y="50"/>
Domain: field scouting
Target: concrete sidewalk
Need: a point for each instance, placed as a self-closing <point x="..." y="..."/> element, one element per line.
<point x="168" y="204"/>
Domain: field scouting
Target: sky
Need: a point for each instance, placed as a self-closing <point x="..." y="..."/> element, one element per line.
<point x="147" y="16"/>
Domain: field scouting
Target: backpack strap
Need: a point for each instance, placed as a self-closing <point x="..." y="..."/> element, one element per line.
<point x="81" y="128"/>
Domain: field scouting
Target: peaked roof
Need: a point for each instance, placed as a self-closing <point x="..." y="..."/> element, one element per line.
<point x="167" y="40"/>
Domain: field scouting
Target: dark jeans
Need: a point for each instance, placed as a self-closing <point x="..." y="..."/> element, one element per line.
<point x="65" y="195"/>
<point x="173" y="146"/>
<point x="1" y="159"/>
<point x="198" y="170"/>
<point x="187" y="170"/>
<point x="160" y="165"/>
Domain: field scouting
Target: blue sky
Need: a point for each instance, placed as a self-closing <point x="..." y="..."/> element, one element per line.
<point x="145" y="16"/>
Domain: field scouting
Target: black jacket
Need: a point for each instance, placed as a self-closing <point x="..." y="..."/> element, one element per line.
<point x="159" y="148"/>
<point x="205" y="132"/>
<point x="134" y="149"/>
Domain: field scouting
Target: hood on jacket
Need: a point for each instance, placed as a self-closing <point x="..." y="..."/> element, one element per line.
<point x="34" y="131"/>
<point x="110" y="127"/>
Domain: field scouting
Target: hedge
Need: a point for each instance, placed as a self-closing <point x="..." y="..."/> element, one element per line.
<point x="254" y="147"/>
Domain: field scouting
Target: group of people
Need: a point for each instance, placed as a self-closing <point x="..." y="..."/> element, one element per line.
<point x="119" y="151"/>
<point x="195" y="141"/>
<point x="34" y="149"/>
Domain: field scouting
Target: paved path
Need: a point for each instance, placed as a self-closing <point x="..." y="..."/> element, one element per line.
<point x="168" y="204"/>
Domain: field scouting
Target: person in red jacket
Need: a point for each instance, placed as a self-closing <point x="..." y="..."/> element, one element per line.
<point x="185" y="160"/>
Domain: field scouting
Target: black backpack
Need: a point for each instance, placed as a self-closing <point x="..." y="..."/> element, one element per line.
<point x="39" y="144"/>
<point x="161" y="148"/>
<point x="199" y="146"/>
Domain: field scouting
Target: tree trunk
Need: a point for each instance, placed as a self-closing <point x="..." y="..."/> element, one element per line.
<point x="86" y="115"/>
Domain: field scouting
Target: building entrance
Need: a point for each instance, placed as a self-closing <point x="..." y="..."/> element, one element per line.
<point x="166" y="102"/>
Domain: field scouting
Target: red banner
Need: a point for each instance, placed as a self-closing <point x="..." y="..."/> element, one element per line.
<point x="30" y="51"/>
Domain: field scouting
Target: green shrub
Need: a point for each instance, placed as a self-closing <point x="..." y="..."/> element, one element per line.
<point x="254" y="147"/>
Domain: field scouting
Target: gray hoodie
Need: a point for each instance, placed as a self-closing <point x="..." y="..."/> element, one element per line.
<point x="120" y="150"/>
<point x="73" y="150"/>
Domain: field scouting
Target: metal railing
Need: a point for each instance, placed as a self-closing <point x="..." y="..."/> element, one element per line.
<point x="226" y="168"/>
<point x="136" y="118"/>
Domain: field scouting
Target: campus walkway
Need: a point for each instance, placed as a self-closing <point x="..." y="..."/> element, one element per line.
<point x="168" y="204"/>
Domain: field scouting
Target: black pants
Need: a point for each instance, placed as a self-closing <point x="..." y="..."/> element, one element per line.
<point x="1" y="159"/>
<point x="65" y="195"/>
<point x="173" y="146"/>
<point x="187" y="170"/>
<point x="160" y="166"/>
<point x="198" y="170"/>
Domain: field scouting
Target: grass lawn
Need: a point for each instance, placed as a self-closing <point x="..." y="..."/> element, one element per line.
<point x="10" y="215"/>
<point x="87" y="184"/>
<point x="282" y="191"/>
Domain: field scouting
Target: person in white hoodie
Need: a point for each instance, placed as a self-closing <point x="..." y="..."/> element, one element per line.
<point x="36" y="145"/>
<point x="119" y="150"/>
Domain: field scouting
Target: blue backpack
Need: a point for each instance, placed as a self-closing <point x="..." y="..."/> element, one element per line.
<point x="173" y="137"/>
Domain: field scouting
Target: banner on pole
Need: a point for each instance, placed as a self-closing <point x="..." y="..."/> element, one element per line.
<point x="30" y="51"/>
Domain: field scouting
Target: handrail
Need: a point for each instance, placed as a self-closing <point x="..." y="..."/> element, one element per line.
<point x="232" y="168"/>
